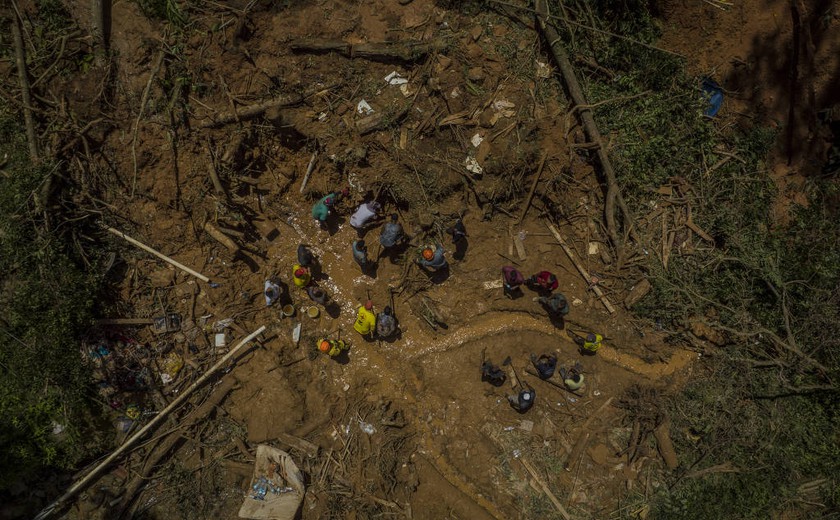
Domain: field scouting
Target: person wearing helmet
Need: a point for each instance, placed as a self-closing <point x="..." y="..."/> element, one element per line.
<point x="392" y="232"/>
<point x="386" y="324"/>
<point x="556" y="304"/>
<point x="524" y="400"/>
<point x="511" y="279"/>
<point x="432" y="258"/>
<point x="365" y="320"/>
<point x="332" y="347"/>
<point x="545" y="365"/>
<point x="543" y="282"/>
<point x="300" y="276"/>
<point x="364" y="214"/>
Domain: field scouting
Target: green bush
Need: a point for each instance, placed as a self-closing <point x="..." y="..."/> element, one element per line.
<point x="47" y="301"/>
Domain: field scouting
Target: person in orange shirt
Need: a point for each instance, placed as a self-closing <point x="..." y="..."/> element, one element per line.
<point x="301" y="275"/>
<point x="365" y="320"/>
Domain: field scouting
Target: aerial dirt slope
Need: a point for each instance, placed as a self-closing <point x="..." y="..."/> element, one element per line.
<point x="481" y="92"/>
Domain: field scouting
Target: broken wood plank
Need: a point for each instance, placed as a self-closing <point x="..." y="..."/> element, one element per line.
<point x="303" y="445"/>
<point x="637" y="292"/>
<point x="544" y="486"/>
<point x="597" y="290"/>
<point x="158" y="254"/>
<point x="308" y="171"/>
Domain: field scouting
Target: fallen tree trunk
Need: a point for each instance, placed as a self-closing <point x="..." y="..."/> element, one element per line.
<point x="593" y="135"/>
<point x="23" y="77"/>
<point x="376" y="51"/>
<point x="253" y="111"/>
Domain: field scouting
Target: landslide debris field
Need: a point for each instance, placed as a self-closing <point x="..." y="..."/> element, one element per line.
<point x="210" y="130"/>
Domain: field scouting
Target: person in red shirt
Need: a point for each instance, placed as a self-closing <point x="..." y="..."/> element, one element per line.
<point x="543" y="282"/>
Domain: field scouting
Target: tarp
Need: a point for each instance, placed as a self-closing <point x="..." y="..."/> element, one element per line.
<point x="278" y="468"/>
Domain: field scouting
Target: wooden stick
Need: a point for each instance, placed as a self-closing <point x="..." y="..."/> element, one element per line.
<point x="163" y="257"/>
<point x="533" y="188"/>
<point x="544" y="486"/>
<point x="308" y="171"/>
<point x="80" y="485"/>
<point x="214" y="174"/>
<point x="125" y="321"/>
<point x="23" y="77"/>
<point x="597" y="290"/>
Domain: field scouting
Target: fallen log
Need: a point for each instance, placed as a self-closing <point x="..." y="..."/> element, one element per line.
<point x="220" y="237"/>
<point x="178" y="401"/>
<point x="23" y="78"/>
<point x="407" y="51"/>
<point x="662" y="433"/>
<point x="253" y="111"/>
<point x="582" y="270"/>
<point x="158" y="254"/>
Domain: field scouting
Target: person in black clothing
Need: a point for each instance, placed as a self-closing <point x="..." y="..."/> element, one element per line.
<point x="524" y="400"/>
<point x="545" y="365"/>
<point x="492" y="374"/>
<point x="459" y="238"/>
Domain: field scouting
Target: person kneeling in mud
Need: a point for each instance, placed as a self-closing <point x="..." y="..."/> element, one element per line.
<point x="545" y="365"/>
<point x="332" y="347"/>
<point x="572" y="378"/>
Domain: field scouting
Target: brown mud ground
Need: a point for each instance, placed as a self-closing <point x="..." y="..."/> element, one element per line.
<point x="445" y="444"/>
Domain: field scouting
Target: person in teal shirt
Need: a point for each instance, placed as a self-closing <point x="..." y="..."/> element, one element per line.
<point x="321" y="209"/>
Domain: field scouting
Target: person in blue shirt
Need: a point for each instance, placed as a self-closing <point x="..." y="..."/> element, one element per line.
<point x="432" y="258"/>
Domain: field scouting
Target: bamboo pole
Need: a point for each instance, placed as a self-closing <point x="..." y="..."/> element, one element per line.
<point x="308" y="171"/>
<point x="77" y="487"/>
<point x="544" y="486"/>
<point x="582" y="270"/>
<point x="163" y="257"/>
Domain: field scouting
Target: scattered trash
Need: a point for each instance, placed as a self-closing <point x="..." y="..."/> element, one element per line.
<point x="476" y="140"/>
<point x="172" y="365"/>
<point x="596" y="393"/>
<point x="714" y="96"/>
<point x="572" y="399"/>
<point x="57" y="428"/>
<point x="288" y="310"/>
<point x="215" y="285"/>
<point x="220" y="340"/>
<point x="509" y="428"/>
<point x="593" y="248"/>
<point x="473" y="166"/>
<point x="322" y="116"/>
<point x="576" y="301"/>
<point x="543" y="70"/>
<point x="346" y="387"/>
<point x="504" y="108"/>
<point x="363" y="108"/>
<point x="517" y="454"/>
<point x="406" y="91"/>
<point x="367" y="427"/>
<point x="276" y="488"/>
<point x="455" y="93"/>
<point x="169" y="323"/>
<point x="222" y="324"/>
<point x="394" y="78"/>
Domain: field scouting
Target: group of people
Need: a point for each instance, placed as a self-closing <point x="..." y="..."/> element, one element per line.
<point x="432" y="258"/>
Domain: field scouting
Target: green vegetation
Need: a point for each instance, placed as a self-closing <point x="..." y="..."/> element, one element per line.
<point x="765" y="404"/>
<point x="47" y="301"/>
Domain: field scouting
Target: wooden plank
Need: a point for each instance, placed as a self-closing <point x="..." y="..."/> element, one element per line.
<point x="597" y="290"/>
<point x="544" y="487"/>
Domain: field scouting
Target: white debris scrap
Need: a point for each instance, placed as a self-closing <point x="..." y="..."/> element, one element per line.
<point x="473" y="166"/>
<point x="504" y="108"/>
<point x="394" y="78"/>
<point x="476" y="140"/>
<point x="364" y="108"/>
<point x="543" y="70"/>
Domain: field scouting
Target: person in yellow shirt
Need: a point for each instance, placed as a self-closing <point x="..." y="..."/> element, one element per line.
<point x="300" y="275"/>
<point x="365" y="320"/>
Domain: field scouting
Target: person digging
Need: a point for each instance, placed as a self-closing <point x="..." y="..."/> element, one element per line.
<point x="589" y="344"/>
<point x="573" y="377"/>
<point x="332" y="347"/>
<point x="524" y="400"/>
<point x="491" y="373"/>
